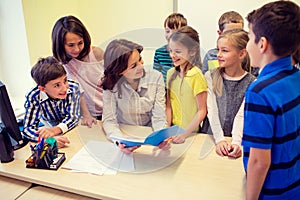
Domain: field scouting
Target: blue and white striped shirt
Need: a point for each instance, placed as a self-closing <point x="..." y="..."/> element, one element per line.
<point x="64" y="113"/>
<point x="272" y="109"/>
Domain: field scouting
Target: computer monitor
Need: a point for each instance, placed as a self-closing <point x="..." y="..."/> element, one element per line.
<point x="8" y="120"/>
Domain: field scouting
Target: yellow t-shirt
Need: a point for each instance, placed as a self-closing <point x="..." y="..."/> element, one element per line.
<point x="183" y="93"/>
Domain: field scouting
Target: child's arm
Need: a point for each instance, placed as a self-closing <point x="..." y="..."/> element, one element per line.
<point x="55" y="133"/>
<point x="168" y="109"/>
<point x="258" y="166"/>
<point x="237" y="133"/>
<point x="73" y="107"/>
<point x="168" y="101"/>
<point x="200" y="115"/>
<point x="198" y="118"/>
<point x="46" y="132"/>
<point x="213" y="112"/>
<point x="237" y="127"/>
<point x="214" y="120"/>
<point x="87" y="118"/>
<point x="61" y="141"/>
<point x="31" y="119"/>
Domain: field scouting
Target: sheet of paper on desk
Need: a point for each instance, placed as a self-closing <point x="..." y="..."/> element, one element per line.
<point x="100" y="158"/>
<point x="110" y="155"/>
<point x="82" y="161"/>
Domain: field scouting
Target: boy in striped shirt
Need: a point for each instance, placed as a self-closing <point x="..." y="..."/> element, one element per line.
<point x="271" y="137"/>
<point x="54" y="102"/>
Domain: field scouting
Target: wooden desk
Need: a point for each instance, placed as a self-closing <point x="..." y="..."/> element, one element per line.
<point x="45" y="193"/>
<point x="188" y="177"/>
<point x="12" y="188"/>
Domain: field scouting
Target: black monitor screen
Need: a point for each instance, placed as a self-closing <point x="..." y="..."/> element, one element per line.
<point x="8" y="119"/>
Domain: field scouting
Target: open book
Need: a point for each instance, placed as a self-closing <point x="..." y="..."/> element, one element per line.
<point x="154" y="138"/>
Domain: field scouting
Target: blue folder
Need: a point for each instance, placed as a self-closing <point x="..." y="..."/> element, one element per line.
<point x="154" y="138"/>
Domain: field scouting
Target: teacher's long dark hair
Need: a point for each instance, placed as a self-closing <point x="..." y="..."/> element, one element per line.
<point x="116" y="58"/>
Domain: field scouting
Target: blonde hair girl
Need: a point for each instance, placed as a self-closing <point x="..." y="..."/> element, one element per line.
<point x="226" y="88"/>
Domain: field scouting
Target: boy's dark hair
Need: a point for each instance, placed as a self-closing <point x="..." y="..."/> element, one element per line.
<point x="229" y="17"/>
<point x="61" y="28"/>
<point x="175" y="21"/>
<point x="47" y="69"/>
<point x="279" y="23"/>
<point x="116" y="58"/>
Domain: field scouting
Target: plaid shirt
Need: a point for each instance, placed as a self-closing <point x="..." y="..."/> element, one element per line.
<point x="64" y="113"/>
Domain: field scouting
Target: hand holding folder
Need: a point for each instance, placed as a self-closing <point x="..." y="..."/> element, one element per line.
<point x="153" y="139"/>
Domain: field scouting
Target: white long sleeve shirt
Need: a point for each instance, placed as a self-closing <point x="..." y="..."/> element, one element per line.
<point x="213" y="114"/>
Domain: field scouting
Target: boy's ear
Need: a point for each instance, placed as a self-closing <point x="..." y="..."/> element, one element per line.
<point x="42" y="88"/>
<point x="263" y="44"/>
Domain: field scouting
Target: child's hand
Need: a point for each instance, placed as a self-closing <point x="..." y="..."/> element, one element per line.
<point x="88" y="121"/>
<point x="178" y="139"/>
<point x="45" y="132"/>
<point x="222" y="148"/>
<point x="61" y="141"/>
<point x="127" y="150"/>
<point x="166" y="144"/>
<point x="234" y="151"/>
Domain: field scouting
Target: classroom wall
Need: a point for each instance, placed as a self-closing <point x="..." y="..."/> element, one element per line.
<point x="104" y="19"/>
<point x="141" y="22"/>
<point x="14" y="56"/>
<point x="204" y="16"/>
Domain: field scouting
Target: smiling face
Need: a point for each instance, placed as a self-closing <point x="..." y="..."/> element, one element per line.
<point x="228" y="55"/>
<point x="179" y="53"/>
<point x="57" y="88"/>
<point x="74" y="44"/>
<point x="135" y="69"/>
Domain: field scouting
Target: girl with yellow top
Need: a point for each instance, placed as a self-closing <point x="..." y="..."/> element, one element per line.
<point x="187" y="87"/>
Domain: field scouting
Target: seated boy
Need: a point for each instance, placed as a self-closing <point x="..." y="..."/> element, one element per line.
<point x="54" y="101"/>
